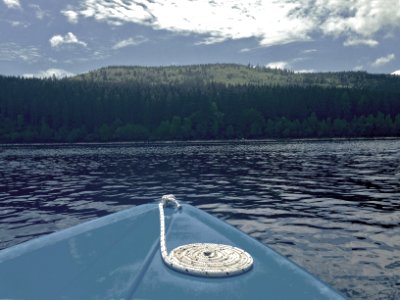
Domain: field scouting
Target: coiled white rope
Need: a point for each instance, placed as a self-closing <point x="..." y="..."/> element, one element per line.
<point x="202" y="259"/>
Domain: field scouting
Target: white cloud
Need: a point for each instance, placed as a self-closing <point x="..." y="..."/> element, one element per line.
<point x="71" y="15"/>
<point x="16" y="52"/>
<point x="357" y="42"/>
<point x="305" y="71"/>
<point x="383" y="60"/>
<point x="272" y="22"/>
<point x="39" y="12"/>
<point x="358" y="68"/>
<point x="59" y="73"/>
<point x="218" y="21"/>
<point x="244" y="50"/>
<point x="308" y="51"/>
<point x="396" y="73"/>
<point x="357" y="18"/>
<point x="12" y="3"/>
<point x="211" y="40"/>
<point x="278" y="65"/>
<point x="69" y="38"/>
<point x="19" y="24"/>
<point x="130" y="42"/>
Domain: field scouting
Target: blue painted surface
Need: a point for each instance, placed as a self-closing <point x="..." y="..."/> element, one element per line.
<point x="117" y="257"/>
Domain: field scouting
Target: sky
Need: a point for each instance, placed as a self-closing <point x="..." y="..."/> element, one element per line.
<point x="45" y="37"/>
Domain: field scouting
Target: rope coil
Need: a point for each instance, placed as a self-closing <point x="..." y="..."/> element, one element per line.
<point x="202" y="259"/>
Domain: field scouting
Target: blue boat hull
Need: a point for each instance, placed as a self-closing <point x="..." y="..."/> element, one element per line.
<point x="118" y="257"/>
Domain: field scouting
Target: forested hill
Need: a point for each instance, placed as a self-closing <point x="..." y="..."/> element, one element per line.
<point x="232" y="74"/>
<point x="198" y="102"/>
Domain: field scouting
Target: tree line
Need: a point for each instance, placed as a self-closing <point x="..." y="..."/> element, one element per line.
<point x="65" y="110"/>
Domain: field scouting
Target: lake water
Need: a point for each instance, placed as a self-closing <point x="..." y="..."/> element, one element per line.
<point x="331" y="206"/>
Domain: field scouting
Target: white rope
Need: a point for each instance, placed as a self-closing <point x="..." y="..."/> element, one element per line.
<point x="202" y="259"/>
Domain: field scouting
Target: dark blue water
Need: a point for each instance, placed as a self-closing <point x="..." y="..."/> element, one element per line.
<point x="331" y="206"/>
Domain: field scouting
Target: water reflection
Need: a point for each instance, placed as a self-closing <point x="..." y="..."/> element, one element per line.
<point x="331" y="206"/>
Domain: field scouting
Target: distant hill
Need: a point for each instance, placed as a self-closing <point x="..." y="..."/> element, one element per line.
<point x="216" y="101"/>
<point x="234" y="74"/>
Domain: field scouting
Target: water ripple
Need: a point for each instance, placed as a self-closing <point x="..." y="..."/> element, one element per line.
<point x="331" y="206"/>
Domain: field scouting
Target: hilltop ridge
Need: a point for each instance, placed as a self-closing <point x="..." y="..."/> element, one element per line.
<point x="235" y="74"/>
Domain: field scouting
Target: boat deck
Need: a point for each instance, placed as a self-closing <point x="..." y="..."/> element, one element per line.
<point x="118" y="257"/>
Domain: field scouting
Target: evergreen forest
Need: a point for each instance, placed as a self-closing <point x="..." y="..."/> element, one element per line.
<point x="199" y="102"/>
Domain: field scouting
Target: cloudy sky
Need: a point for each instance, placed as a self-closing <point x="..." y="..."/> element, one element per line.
<point x="42" y="37"/>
